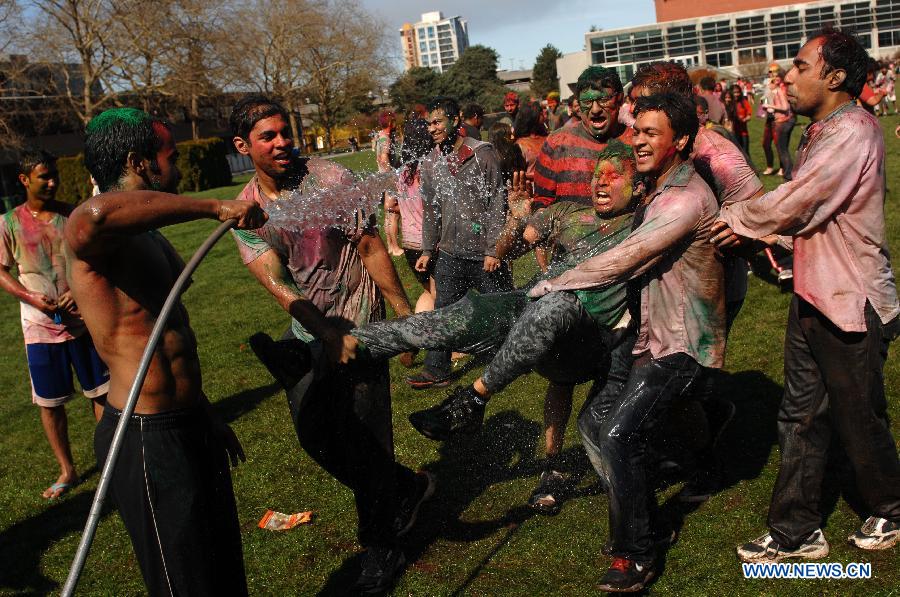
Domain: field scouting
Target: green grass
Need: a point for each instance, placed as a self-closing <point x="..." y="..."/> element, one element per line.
<point x="475" y="537"/>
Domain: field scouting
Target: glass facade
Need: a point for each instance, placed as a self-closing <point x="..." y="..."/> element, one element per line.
<point x="749" y="37"/>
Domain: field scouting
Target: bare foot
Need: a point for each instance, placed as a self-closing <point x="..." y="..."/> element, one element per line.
<point x="63" y="484"/>
<point x="395" y="251"/>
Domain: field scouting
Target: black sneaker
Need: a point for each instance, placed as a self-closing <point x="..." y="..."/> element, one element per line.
<point x="380" y="568"/>
<point x="287" y="360"/>
<point x="424" y="379"/>
<point x="462" y="411"/>
<point x="408" y="508"/>
<point x="663" y="539"/>
<point x="547" y="497"/>
<point x="627" y="576"/>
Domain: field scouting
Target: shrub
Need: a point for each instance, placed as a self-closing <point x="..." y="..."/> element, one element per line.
<point x="74" y="180"/>
<point x="202" y="164"/>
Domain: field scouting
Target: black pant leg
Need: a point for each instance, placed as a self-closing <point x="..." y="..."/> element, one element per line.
<point x="343" y="421"/>
<point x="804" y="433"/>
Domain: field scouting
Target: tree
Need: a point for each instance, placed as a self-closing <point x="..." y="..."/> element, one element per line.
<point x="8" y="18"/>
<point x="79" y="31"/>
<point x="473" y="78"/>
<point x="416" y="86"/>
<point x="543" y="76"/>
<point x="273" y="67"/>
<point x="342" y="43"/>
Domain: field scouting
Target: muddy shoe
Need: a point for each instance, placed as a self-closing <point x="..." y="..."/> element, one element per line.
<point x="462" y="411"/>
<point x="547" y="497"/>
<point x="876" y="533"/>
<point x="287" y="360"/>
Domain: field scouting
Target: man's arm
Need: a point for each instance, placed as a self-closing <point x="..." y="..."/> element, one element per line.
<point x="431" y="213"/>
<point x="675" y="217"/>
<point x="545" y="176"/>
<point x="274" y="277"/>
<point x="820" y="187"/>
<point x="378" y="263"/>
<point x="37" y="300"/>
<point x="101" y="219"/>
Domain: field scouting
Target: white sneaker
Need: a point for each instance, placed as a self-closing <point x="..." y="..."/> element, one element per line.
<point x="765" y="549"/>
<point x="876" y="533"/>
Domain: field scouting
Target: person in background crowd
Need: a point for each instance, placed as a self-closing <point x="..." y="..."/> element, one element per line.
<point x="511" y="107"/>
<point x="778" y="119"/>
<point x="556" y="115"/>
<point x="511" y="159"/>
<point x="473" y="120"/>
<point x="56" y="339"/>
<point x="530" y="134"/>
<point x="408" y="205"/>
<point x="708" y="92"/>
<point x="740" y="114"/>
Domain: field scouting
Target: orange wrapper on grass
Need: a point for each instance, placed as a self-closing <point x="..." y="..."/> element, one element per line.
<point x="278" y="521"/>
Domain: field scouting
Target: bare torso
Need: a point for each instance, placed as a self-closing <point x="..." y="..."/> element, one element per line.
<point x="120" y="294"/>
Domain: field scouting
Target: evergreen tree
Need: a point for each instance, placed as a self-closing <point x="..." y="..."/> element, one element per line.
<point x="543" y="76"/>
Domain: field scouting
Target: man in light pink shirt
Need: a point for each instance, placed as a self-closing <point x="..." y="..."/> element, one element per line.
<point x="844" y="312"/>
<point x="682" y="321"/>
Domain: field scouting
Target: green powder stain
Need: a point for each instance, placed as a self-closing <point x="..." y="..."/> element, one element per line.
<point x="109" y="118"/>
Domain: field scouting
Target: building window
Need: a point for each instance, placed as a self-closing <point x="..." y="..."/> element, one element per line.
<point x="424" y="59"/>
<point x="682" y="40"/>
<point x="888" y="38"/>
<point x="818" y="18"/>
<point x="785" y="26"/>
<point x="887" y="15"/>
<point x="648" y="45"/>
<point x="865" y="40"/>
<point x="750" y="31"/>
<point x="857" y="16"/>
<point x="431" y="32"/>
<point x="432" y="45"/>
<point x="785" y="51"/>
<point x="717" y="36"/>
<point x="615" y="48"/>
<point x="422" y="33"/>
<point x="752" y="56"/>
<point x="720" y="59"/>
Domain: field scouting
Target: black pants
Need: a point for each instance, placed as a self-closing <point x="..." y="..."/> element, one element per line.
<point x="616" y="431"/>
<point x="343" y="420"/>
<point x="833" y="382"/>
<point x="173" y="490"/>
<point x="453" y="277"/>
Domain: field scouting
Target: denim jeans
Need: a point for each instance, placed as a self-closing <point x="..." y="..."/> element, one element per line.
<point x="616" y="433"/>
<point x="833" y="383"/>
<point x="782" y="144"/>
<point x="453" y="277"/>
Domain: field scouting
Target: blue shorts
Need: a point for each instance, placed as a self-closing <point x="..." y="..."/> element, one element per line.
<point x="50" y="366"/>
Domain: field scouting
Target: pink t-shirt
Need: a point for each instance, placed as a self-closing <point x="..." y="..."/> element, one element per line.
<point x="36" y="248"/>
<point x="409" y="200"/>
<point x="324" y="262"/>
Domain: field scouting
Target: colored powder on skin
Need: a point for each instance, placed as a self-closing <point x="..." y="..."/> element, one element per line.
<point x="595" y="73"/>
<point x="113" y="116"/>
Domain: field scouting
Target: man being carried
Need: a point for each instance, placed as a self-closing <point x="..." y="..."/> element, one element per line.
<point x="330" y="280"/>
<point x="682" y="323"/>
<point x="844" y="312"/>
<point x="171" y="483"/>
<point x="31" y="238"/>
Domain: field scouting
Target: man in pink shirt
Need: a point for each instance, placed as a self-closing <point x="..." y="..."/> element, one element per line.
<point x="844" y="312"/>
<point x="56" y="339"/>
<point x="682" y="322"/>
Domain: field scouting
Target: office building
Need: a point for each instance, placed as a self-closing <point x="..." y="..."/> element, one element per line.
<point x="737" y="43"/>
<point x="434" y="42"/>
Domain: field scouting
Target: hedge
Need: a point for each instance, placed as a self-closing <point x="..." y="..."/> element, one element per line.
<point x="202" y="164"/>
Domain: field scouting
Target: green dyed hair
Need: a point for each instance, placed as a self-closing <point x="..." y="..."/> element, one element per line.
<point x="615" y="150"/>
<point x="598" y="77"/>
<point x="111" y="135"/>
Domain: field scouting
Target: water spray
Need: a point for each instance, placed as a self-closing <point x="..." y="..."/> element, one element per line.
<point x="90" y="527"/>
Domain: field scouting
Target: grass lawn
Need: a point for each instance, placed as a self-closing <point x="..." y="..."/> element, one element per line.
<point x="475" y="537"/>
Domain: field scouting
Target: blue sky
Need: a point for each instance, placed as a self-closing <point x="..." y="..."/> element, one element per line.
<point x="518" y="29"/>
